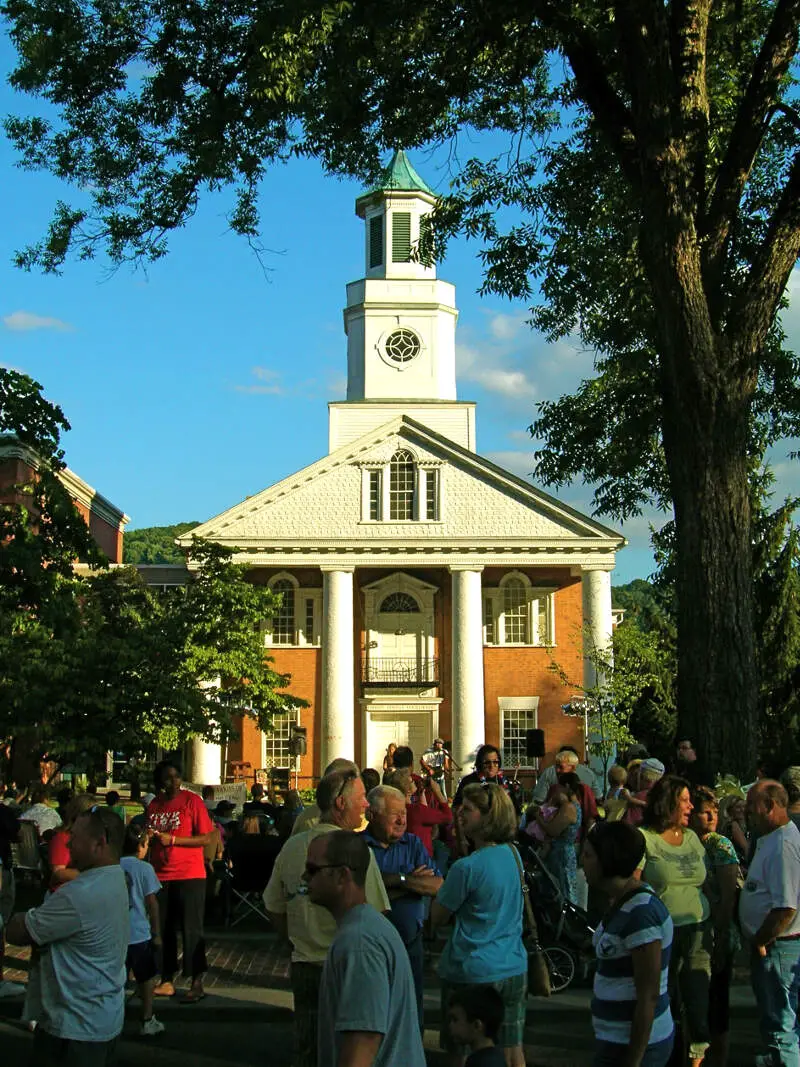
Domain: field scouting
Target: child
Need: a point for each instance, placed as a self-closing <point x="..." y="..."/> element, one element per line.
<point x="145" y="941"/>
<point x="617" y="798"/>
<point x="546" y="812"/>
<point x="474" y="1018"/>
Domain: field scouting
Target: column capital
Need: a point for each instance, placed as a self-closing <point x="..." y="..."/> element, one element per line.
<point x="333" y="568"/>
<point x="589" y="568"/>
<point x="456" y="568"/>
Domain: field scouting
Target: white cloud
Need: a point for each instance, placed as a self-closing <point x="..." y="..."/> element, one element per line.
<point x="507" y="327"/>
<point x="23" y="321"/>
<point x="268" y="383"/>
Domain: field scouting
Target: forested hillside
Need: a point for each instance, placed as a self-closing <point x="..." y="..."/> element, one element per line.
<point x="155" y="544"/>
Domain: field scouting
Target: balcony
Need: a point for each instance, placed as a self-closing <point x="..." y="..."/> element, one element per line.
<point x="396" y="673"/>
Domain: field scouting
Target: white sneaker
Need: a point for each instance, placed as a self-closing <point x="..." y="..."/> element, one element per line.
<point x="11" y="989"/>
<point x="151" y="1027"/>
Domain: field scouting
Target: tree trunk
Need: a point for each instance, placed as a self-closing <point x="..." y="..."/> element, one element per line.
<point x="707" y="393"/>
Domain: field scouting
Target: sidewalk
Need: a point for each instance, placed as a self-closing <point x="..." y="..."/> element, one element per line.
<point x="247" y="1014"/>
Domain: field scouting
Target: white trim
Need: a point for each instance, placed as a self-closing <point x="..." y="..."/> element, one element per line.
<point x="508" y="704"/>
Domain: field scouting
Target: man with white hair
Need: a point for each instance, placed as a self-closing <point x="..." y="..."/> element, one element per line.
<point x="566" y="761"/>
<point x="409" y="874"/>
<point x="342" y="801"/>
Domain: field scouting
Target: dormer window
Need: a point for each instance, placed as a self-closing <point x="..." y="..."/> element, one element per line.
<point x="403" y="490"/>
<point x="401" y="486"/>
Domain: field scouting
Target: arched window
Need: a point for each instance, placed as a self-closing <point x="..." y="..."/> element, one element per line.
<point x="401" y="485"/>
<point x="399" y="603"/>
<point x="515" y="612"/>
<point x="283" y="619"/>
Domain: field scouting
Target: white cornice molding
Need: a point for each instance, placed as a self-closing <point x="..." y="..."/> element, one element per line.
<point x="400" y="559"/>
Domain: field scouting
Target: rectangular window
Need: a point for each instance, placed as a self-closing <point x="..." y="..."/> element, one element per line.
<point x="516" y="718"/>
<point x="283" y="619"/>
<point x="515" y="613"/>
<point x="276" y="742"/>
<point x="308" y="628"/>
<point x="432" y="494"/>
<point x="401" y="237"/>
<point x="376" y="241"/>
<point x="375" y="495"/>
<point x="488" y="621"/>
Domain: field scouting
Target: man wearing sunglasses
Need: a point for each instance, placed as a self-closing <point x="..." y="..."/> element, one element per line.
<point x="342" y="801"/>
<point x="367" y="1009"/>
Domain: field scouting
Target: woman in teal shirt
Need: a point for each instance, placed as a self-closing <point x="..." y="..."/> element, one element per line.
<point x="482" y="894"/>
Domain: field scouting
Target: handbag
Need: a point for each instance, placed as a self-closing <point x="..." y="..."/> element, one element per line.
<point x="538" y="971"/>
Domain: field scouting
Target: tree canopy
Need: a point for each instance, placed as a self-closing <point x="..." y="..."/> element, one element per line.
<point x="91" y="658"/>
<point x="648" y="183"/>
<point x="155" y="544"/>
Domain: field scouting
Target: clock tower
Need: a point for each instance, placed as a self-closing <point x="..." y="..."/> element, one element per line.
<point x="400" y="321"/>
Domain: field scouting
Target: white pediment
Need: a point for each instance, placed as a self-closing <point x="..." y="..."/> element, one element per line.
<point x="481" y="504"/>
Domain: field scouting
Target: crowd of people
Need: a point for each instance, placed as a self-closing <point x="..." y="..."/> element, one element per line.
<point x="675" y="879"/>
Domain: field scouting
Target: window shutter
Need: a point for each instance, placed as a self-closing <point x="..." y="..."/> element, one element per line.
<point x="401" y="237"/>
<point x="376" y="241"/>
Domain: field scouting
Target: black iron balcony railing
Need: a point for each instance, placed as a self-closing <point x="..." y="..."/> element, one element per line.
<point x="396" y="671"/>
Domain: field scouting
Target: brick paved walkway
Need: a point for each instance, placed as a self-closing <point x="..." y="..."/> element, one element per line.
<point x="234" y="959"/>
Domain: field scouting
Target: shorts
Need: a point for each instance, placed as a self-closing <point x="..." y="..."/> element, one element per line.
<point x="514" y="992"/>
<point x="143" y="960"/>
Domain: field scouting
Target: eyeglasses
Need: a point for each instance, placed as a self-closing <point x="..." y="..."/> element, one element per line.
<point x="491" y="763"/>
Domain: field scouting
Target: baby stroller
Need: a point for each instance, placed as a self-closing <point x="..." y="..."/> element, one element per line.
<point x="564" y="930"/>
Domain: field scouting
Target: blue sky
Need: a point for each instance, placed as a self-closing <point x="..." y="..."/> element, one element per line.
<point x="201" y="381"/>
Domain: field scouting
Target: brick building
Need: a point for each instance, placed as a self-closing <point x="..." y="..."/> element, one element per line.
<point x="18" y="465"/>
<point x="425" y="591"/>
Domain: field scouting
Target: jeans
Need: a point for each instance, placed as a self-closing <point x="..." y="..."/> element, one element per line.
<point x="306" y="979"/>
<point x="49" y="1051"/>
<point x="610" y="1054"/>
<point x="776" y="983"/>
<point x="689" y="980"/>
<point x="416" y="957"/>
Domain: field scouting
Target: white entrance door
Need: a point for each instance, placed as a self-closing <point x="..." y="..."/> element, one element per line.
<point x="402" y="727"/>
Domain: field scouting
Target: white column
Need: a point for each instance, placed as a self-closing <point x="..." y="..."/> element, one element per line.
<point x="338" y="665"/>
<point x="205" y="762"/>
<point x="469" y="727"/>
<point x="596" y="585"/>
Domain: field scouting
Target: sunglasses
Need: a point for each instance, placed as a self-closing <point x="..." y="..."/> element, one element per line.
<point x="350" y="776"/>
<point x="314" y="868"/>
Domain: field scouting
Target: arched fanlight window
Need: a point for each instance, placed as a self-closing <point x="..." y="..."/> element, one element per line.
<point x="399" y="603"/>
<point x="401" y="485"/>
<point x="515" y="612"/>
<point x="283" y="619"/>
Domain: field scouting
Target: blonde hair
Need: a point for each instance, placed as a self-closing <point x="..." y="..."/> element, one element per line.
<point x="78" y="806"/>
<point x="618" y="775"/>
<point x="498" y="818"/>
<point x="251" y="824"/>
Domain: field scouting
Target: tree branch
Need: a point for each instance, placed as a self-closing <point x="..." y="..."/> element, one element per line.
<point x="688" y="32"/>
<point x="774" y="59"/>
<point x="583" y="51"/>
<point x="768" y="276"/>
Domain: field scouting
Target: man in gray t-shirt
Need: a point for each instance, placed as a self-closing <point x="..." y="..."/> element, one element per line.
<point x="81" y="933"/>
<point x="367" y="1006"/>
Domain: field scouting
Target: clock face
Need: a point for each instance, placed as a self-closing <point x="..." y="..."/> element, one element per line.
<point x="402" y="345"/>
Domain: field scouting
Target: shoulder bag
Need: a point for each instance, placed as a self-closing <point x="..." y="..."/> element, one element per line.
<point x="538" y="972"/>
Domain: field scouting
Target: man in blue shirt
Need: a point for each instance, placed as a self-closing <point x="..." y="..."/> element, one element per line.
<point x="408" y="872"/>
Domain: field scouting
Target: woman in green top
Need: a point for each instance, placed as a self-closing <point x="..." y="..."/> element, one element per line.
<point x="674" y="866"/>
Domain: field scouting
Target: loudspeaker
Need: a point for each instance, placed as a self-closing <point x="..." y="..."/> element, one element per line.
<point x="534" y="743"/>
<point x="298" y="743"/>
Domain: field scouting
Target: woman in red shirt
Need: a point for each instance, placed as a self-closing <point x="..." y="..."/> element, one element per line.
<point x="179" y="828"/>
<point x="58" y="857"/>
<point x="421" y="816"/>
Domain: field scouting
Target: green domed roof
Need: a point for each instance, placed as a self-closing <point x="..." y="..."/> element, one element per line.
<point x="401" y="175"/>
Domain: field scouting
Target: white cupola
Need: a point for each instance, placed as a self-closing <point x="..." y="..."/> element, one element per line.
<point x="400" y="320"/>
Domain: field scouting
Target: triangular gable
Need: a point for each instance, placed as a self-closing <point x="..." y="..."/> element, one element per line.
<point x="479" y="500"/>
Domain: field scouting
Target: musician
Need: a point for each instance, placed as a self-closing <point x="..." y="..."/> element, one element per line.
<point x="437" y="762"/>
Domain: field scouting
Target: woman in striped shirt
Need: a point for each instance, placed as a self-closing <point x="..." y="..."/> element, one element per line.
<point x="630" y="1006"/>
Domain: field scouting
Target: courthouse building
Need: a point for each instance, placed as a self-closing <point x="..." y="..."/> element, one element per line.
<point x="425" y="591"/>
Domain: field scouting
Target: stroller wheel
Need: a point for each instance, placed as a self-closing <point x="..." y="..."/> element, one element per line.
<point x="561" y="965"/>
